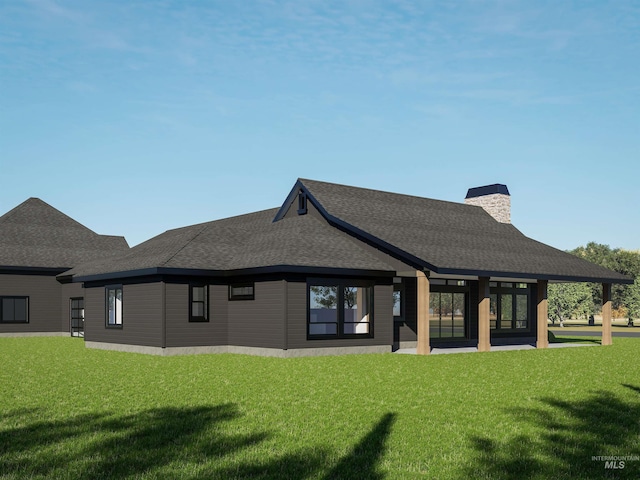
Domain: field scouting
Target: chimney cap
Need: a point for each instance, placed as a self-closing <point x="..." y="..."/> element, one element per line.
<point x="498" y="188"/>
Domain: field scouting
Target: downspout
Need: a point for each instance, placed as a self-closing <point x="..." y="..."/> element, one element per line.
<point x="164" y="315"/>
<point x="285" y="313"/>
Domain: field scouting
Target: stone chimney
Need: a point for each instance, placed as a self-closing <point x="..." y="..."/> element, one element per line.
<point x="495" y="199"/>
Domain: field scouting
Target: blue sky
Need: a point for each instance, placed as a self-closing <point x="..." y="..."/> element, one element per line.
<point x="136" y="117"/>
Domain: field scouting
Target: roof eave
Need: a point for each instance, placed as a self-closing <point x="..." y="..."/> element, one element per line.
<point x="536" y="276"/>
<point x="19" y="270"/>
<point x="196" y="272"/>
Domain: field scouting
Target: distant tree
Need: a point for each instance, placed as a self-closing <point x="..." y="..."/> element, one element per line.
<point x="622" y="261"/>
<point x="567" y="300"/>
<point x="633" y="300"/>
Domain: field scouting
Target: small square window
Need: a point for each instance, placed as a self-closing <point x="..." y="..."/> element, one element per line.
<point x="241" y="291"/>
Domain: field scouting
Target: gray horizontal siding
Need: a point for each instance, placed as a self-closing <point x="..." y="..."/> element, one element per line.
<point x="297" y="315"/>
<point x="181" y="332"/>
<point x="383" y="311"/>
<point x="297" y="320"/>
<point x="141" y="316"/>
<point x="258" y="322"/>
<point x="45" y="308"/>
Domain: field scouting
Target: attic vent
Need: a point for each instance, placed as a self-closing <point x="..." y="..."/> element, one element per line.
<point x="302" y="203"/>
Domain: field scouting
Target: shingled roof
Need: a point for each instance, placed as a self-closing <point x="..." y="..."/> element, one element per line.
<point x="36" y="235"/>
<point x="446" y="237"/>
<point x="237" y="244"/>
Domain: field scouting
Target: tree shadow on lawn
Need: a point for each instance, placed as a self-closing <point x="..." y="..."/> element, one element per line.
<point x="107" y="446"/>
<point x="568" y="435"/>
<point x="363" y="459"/>
<point x="361" y="462"/>
<point x="145" y="444"/>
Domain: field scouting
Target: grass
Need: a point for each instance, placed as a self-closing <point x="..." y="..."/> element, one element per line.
<point x="71" y="412"/>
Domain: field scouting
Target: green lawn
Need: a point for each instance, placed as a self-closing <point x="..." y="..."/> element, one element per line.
<point x="71" y="412"/>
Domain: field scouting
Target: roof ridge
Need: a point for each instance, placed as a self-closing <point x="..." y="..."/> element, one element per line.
<point x="11" y="212"/>
<point x="204" y="227"/>
<point x="209" y="222"/>
<point x="386" y="192"/>
<point x="111" y="236"/>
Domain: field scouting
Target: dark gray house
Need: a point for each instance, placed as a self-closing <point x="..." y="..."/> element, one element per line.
<point x="38" y="242"/>
<point x="335" y="269"/>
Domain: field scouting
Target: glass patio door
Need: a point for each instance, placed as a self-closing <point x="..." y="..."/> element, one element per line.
<point x="447" y="315"/>
<point x="77" y="317"/>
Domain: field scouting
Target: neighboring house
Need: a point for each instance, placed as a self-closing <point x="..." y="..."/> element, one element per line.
<point x="38" y="242"/>
<point x="335" y="269"/>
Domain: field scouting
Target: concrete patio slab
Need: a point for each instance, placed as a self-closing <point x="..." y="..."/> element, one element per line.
<point x="494" y="348"/>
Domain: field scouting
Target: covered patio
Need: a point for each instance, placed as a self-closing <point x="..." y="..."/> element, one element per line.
<point x="484" y="319"/>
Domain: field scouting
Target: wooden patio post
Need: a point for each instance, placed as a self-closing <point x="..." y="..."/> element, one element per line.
<point x="423" y="314"/>
<point x="543" y="315"/>
<point x="606" y="314"/>
<point x="484" y="309"/>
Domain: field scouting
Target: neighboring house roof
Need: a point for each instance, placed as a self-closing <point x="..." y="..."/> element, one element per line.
<point x="237" y="244"/>
<point x="34" y="235"/>
<point x="446" y="237"/>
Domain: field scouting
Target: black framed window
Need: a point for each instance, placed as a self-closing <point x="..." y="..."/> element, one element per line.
<point x="241" y="291"/>
<point x="398" y="302"/>
<point x="509" y="306"/>
<point x="114" y="306"/>
<point x="357" y="306"/>
<point x="14" y="309"/>
<point x="323" y="309"/>
<point x="199" y="303"/>
<point x="339" y="309"/>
